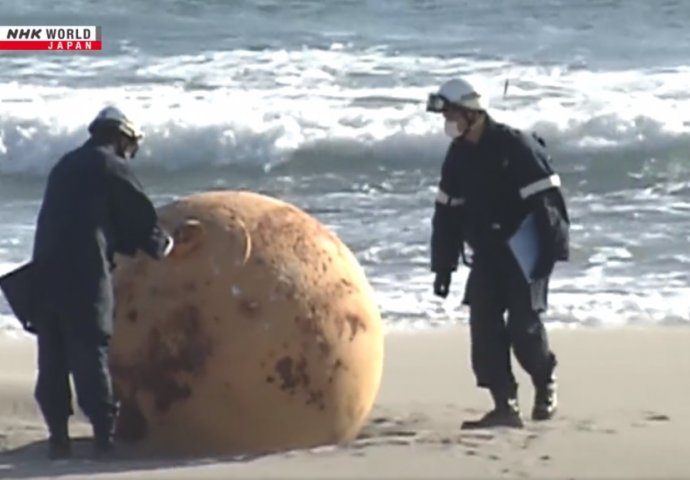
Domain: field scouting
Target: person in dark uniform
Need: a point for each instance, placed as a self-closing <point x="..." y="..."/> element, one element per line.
<point x="497" y="182"/>
<point x="93" y="207"/>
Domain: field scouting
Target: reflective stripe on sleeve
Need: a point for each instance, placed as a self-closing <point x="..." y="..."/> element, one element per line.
<point x="541" y="185"/>
<point x="445" y="199"/>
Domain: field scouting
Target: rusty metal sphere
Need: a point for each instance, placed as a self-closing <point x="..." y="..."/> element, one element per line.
<point x="259" y="333"/>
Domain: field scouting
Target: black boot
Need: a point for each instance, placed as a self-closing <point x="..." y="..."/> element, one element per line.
<point x="545" y="400"/>
<point x="59" y="444"/>
<point x="506" y="413"/>
<point x="103" y="440"/>
<point x="103" y="447"/>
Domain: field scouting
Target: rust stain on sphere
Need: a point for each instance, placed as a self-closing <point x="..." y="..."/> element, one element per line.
<point x="260" y="333"/>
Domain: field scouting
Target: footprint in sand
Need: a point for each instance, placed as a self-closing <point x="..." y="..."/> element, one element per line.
<point x="591" y="426"/>
<point x="528" y="440"/>
<point x="449" y="440"/>
<point x="656" y="417"/>
<point x="486" y="437"/>
<point x="400" y="433"/>
<point x="394" y="429"/>
<point x="388" y="431"/>
<point x="584" y="425"/>
<point x="649" y="417"/>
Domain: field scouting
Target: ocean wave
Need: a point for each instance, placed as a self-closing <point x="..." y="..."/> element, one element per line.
<point x="31" y="146"/>
<point x="267" y="107"/>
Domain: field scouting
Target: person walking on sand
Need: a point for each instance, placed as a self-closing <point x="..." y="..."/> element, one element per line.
<point x="495" y="180"/>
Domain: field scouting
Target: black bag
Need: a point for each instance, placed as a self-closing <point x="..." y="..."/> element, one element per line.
<point x="18" y="287"/>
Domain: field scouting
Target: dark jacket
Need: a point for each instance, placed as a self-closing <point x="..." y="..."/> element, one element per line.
<point x="487" y="189"/>
<point x="93" y="207"/>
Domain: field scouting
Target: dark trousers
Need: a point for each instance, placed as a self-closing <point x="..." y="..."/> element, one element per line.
<point x="76" y="346"/>
<point x="495" y="287"/>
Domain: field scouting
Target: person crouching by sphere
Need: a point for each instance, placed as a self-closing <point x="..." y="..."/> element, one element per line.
<point x="93" y="207"/>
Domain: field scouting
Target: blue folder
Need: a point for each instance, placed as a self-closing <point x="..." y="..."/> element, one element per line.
<point x="524" y="244"/>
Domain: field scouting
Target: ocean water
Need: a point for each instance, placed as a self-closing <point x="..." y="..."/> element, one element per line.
<point x="321" y="103"/>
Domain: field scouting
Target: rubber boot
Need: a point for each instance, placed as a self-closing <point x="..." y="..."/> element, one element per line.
<point x="104" y="440"/>
<point x="545" y="400"/>
<point x="59" y="444"/>
<point x="506" y="412"/>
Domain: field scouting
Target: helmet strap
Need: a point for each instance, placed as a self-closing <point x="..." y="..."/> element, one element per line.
<point x="471" y="121"/>
<point x="126" y="147"/>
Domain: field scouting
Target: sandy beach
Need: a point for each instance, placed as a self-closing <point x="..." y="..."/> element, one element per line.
<point x="623" y="414"/>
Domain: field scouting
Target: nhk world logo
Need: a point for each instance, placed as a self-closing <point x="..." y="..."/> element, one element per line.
<point x="30" y="37"/>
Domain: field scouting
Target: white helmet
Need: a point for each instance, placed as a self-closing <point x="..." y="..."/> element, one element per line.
<point x="113" y="118"/>
<point x="458" y="92"/>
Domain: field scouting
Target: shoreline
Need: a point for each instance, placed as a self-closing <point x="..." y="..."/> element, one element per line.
<point x="14" y="333"/>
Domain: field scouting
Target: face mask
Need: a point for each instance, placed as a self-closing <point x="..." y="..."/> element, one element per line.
<point x="452" y="130"/>
<point x="132" y="152"/>
<point x="128" y="149"/>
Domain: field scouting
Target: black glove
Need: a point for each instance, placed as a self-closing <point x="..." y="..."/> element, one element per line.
<point x="29" y="327"/>
<point x="442" y="284"/>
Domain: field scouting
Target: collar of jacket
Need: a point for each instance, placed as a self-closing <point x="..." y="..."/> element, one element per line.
<point x="489" y="127"/>
<point x="105" y="146"/>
